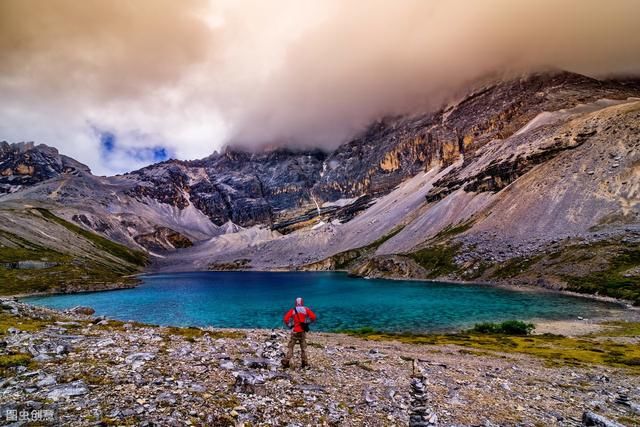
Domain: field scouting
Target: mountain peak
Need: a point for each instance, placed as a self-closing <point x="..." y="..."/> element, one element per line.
<point x="24" y="164"/>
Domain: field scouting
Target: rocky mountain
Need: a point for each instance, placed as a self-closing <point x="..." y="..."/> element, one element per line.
<point x="492" y="187"/>
<point x="25" y="164"/>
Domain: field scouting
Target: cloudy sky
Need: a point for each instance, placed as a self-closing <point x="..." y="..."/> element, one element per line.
<point x="119" y="84"/>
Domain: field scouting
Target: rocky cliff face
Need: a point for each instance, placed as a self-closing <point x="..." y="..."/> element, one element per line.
<point x="25" y="164"/>
<point x="393" y="149"/>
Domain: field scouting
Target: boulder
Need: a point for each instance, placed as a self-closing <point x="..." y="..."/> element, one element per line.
<point x="595" y="420"/>
<point x="82" y="310"/>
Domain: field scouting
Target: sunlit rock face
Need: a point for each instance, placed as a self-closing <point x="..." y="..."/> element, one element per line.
<point x="25" y="164"/>
<point x="393" y="149"/>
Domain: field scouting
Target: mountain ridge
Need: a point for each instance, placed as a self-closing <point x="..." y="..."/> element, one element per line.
<point x="396" y="198"/>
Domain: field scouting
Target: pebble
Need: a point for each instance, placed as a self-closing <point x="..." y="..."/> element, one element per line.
<point x="134" y="375"/>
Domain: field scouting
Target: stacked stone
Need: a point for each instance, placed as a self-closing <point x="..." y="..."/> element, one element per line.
<point x="623" y="399"/>
<point x="249" y="383"/>
<point x="420" y="415"/>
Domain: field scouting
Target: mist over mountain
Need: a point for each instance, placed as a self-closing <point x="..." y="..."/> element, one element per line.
<point x="179" y="80"/>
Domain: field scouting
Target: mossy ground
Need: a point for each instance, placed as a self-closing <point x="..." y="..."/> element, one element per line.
<point x="70" y="272"/>
<point x="611" y="281"/>
<point x="7" y="321"/>
<point x="11" y="360"/>
<point x="592" y="268"/>
<point x="8" y="361"/>
<point x="438" y="260"/>
<point x="513" y="267"/>
<point x="113" y="248"/>
<point x="556" y="350"/>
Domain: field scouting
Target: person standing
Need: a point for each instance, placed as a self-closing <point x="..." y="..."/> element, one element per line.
<point x="298" y="320"/>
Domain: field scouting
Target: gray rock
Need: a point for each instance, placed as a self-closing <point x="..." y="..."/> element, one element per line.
<point x="82" y="310"/>
<point x="166" y="399"/>
<point x="62" y="349"/>
<point x="65" y="391"/>
<point x="595" y="420"/>
<point x="198" y="388"/>
<point x="105" y="342"/>
<point x="248" y="382"/>
<point x="139" y="358"/>
<point x="257" y="363"/>
<point x="227" y="365"/>
<point x="47" y="381"/>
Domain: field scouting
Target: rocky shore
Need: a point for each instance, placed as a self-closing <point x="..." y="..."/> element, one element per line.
<point x="76" y="369"/>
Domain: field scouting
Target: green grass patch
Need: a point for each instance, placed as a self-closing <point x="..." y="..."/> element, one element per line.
<point x="513" y="267"/>
<point x="612" y="281"/>
<point x="555" y="350"/>
<point x="342" y="260"/>
<point x="12" y="360"/>
<point x="508" y="327"/>
<point x="621" y="328"/>
<point x="24" y="324"/>
<point x="453" y="230"/>
<point x="70" y="272"/>
<point x="438" y="260"/>
<point x="377" y="243"/>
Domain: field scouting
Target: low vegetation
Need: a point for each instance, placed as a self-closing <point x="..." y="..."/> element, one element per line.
<point x="8" y="361"/>
<point x="192" y="333"/>
<point x="513" y="267"/>
<point x="343" y="260"/>
<point x="608" y="348"/>
<point x="120" y="251"/>
<point x="452" y="230"/>
<point x="438" y="260"/>
<point x="614" y="281"/>
<point x="608" y="268"/>
<point x="509" y="327"/>
<point x="65" y="271"/>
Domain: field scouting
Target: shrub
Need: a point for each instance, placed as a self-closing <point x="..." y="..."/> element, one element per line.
<point x="508" y="327"/>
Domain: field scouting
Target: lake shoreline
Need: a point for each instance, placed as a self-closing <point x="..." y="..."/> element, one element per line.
<point x="524" y="287"/>
<point x="612" y="310"/>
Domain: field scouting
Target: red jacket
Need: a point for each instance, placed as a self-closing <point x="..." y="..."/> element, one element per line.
<point x="300" y="314"/>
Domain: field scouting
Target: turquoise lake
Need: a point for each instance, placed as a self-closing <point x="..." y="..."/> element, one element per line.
<point x="259" y="299"/>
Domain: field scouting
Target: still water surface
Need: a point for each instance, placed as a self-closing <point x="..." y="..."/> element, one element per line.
<point x="259" y="299"/>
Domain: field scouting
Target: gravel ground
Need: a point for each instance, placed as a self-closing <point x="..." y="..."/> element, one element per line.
<point x="94" y="371"/>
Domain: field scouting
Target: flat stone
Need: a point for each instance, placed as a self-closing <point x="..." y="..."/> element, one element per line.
<point x="47" y="381"/>
<point x="65" y="391"/>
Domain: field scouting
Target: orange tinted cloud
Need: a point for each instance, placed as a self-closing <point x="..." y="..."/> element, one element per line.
<point x="194" y="75"/>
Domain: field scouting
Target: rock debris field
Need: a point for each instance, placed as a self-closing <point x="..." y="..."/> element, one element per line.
<point x="75" y="369"/>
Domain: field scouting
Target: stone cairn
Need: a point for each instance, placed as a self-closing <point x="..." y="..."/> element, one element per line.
<point x="420" y="415"/>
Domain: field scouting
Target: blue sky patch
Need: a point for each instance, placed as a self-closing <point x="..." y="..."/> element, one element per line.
<point x="124" y="159"/>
